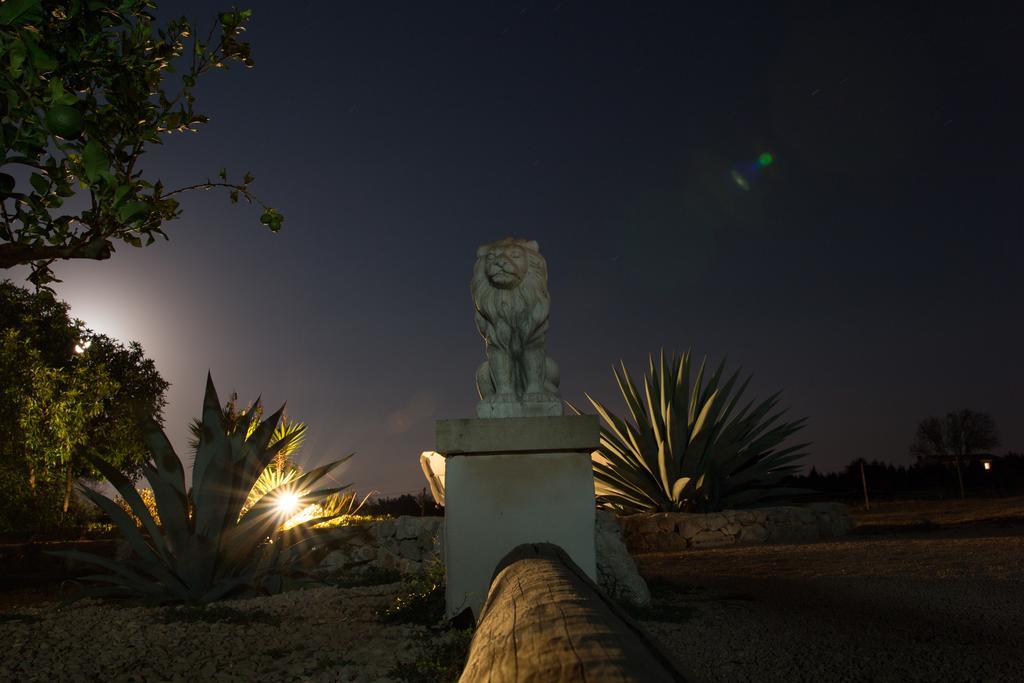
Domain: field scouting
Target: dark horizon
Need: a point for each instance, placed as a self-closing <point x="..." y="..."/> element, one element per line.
<point x="871" y="271"/>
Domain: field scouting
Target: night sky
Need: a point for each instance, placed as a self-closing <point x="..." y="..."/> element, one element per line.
<point x="872" y="272"/>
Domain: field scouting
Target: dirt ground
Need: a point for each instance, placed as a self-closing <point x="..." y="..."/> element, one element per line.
<point x="933" y="602"/>
<point x="938" y="512"/>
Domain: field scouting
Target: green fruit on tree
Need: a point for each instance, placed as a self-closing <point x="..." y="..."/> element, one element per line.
<point x="65" y="121"/>
<point x="6" y="183"/>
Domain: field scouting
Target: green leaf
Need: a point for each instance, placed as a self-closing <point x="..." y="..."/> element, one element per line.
<point x="60" y="96"/>
<point x="39" y="183"/>
<point x="129" y="577"/>
<point x="125" y="524"/>
<point x="120" y="193"/>
<point x="132" y="210"/>
<point x="95" y="161"/>
<point x="678" y="487"/>
<point x="18" y="53"/>
<point x="42" y="61"/>
<point x="131" y="496"/>
<point x="272" y="219"/>
<point x="25" y="10"/>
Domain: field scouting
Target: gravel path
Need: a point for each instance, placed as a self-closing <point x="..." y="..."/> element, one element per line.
<point x="940" y="606"/>
<point x="322" y="634"/>
<point x="947" y="605"/>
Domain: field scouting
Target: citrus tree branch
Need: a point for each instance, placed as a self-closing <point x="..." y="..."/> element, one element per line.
<point x="16" y="254"/>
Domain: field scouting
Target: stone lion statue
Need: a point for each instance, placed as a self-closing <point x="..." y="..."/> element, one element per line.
<point x="510" y="293"/>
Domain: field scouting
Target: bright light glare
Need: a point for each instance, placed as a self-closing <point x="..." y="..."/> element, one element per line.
<point x="987" y="465"/>
<point x="287" y="503"/>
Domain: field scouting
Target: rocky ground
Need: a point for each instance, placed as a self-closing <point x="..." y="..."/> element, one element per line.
<point x="322" y="634"/>
<point x="944" y="605"/>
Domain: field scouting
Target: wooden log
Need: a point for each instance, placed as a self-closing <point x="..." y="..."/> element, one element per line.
<point x="546" y="621"/>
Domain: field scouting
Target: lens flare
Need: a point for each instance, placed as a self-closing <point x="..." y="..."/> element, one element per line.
<point x="738" y="178"/>
<point x="287" y="503"/>
<point x="746" y="174"/>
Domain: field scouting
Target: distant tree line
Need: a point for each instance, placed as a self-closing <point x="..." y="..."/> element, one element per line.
<point x="420" y="505"/>
<point x="922" y="479"/>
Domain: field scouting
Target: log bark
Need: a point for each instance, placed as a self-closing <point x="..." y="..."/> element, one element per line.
<point x="546" y="621"/>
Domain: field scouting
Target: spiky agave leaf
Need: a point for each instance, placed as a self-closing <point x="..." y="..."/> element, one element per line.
<point x="204" y="549"/>
<point x="686" y="446"/>
<point x="345" y="504"/>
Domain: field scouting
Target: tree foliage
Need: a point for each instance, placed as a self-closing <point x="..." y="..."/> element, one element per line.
<point x="85" y="87"/>
<point x="962" y="434"/>
<point x="955" y="438"/>
<point x="923" y="479"/>
<point x="58" y="407"/>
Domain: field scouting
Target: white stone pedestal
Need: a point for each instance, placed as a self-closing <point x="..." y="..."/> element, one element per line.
<point x="511" y="481"/>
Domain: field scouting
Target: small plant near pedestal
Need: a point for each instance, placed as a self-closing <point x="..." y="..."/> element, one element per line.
<point x="422" y="600"/>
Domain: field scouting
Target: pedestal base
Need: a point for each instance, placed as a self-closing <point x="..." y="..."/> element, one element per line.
<point x="508" y="482"/>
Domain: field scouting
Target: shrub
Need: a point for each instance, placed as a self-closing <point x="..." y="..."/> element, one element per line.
<point x="205" y="548"/>
<point x="422" y="600"/>
<point x="146" y="495"/>
<point x="687" y="448"/>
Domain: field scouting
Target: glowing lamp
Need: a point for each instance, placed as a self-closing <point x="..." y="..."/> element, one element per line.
<point x="987" y="464"/>
<point x="287" y="503"/>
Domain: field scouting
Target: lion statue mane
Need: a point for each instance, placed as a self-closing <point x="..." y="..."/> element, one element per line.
<point x="510" y="294"/>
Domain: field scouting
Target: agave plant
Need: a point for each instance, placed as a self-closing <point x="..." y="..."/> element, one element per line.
<point x="206" y="548"/>
<point x="687" y="447"/>
<point x="245" y="421"/>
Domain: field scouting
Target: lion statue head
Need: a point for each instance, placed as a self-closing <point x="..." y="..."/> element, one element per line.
<point x="510" y="294"/>
<point x="510" y="289"/>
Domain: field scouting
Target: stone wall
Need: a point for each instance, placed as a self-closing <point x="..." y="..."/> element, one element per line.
<point x="665" y="531"/>
<point x="406" y="544"/>
<point x="410" y="545"/>
<point x="616" y="571"/>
